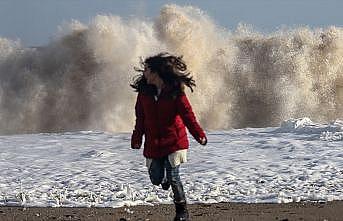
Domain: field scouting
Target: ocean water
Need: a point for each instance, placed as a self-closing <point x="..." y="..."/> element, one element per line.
<point x="298" y="161"/>
<point x="80" y="80"/>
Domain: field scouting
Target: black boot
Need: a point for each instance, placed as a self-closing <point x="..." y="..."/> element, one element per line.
<point x="165" y="184"/>
<point x="181" y="212"/>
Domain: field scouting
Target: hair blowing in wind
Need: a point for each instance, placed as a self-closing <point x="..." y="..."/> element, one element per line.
<point x="171" y="69"/>
<point x="80" y="80"/>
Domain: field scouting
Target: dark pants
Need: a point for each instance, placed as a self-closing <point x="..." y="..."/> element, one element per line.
<point x="157" y="170"/>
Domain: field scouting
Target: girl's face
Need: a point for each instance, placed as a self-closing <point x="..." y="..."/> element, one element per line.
<point x="151" y="77"/>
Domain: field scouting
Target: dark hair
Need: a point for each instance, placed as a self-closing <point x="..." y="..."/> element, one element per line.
<point x="171" y="69"/>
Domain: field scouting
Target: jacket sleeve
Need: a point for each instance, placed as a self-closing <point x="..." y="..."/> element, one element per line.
<point x="138" y="132"/>
<point x="185" y="111"/>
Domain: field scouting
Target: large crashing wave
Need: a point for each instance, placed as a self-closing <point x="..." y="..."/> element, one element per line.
<point x="244" y="78"/>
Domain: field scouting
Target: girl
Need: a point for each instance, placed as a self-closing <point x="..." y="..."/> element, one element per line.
<point x="162" y="112"/>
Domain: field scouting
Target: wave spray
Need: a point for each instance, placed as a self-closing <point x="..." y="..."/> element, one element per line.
<point x="80" y="80"/>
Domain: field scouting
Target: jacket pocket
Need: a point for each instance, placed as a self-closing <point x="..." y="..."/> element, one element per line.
<point x="177" y="131"/>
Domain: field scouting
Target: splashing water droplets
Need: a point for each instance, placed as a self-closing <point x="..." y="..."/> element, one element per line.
<point x="80" y="80"/>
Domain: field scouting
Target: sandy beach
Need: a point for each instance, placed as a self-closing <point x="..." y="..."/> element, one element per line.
<point x="203" y="212"/>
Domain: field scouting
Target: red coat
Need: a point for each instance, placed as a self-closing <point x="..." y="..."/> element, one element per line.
<point x="163" y="124"/>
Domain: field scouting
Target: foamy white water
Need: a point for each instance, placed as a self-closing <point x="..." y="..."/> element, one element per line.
<point x="298" y="161"/>
<point x="80" y="80"/>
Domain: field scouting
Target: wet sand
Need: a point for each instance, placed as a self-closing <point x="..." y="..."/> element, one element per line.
<point x="203" y="212"/>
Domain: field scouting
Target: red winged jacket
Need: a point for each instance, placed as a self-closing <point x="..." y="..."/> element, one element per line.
<point x="163" y="122"/>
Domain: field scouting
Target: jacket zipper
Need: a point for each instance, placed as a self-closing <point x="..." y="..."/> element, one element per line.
<point x="158" y="119"/>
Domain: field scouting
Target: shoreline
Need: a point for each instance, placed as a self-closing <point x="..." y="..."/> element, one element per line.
<point x="203" y="212"/>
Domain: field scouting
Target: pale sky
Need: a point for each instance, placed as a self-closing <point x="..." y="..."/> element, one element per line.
<point x="35" y="21"/>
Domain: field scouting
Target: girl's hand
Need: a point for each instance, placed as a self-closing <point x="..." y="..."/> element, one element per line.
<point x="203" y="141"/>
<point x="136" y="146"/>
